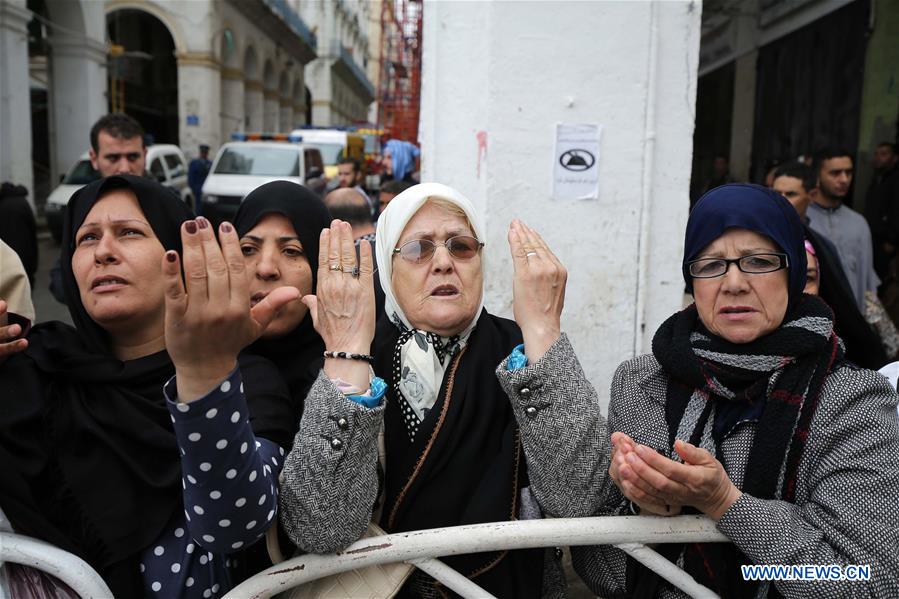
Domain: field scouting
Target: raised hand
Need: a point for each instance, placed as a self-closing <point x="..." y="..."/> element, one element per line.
<point x="701" y="481"/>
<point x="538" y="290"/>
<point x="343" y="307"/>
<point x="210" y="321"/>
<point x="9" y="345"/>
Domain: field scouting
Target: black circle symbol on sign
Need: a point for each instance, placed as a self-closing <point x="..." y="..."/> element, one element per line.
<point x="577" y="160"/>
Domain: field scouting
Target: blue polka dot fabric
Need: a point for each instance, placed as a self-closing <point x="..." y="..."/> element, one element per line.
<point x="230" y="496"/>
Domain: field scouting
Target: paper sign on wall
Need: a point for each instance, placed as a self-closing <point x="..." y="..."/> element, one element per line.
<point x="576" y="162"/>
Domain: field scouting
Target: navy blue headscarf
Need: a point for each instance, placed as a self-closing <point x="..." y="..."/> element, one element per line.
<point x="752" y="207"/>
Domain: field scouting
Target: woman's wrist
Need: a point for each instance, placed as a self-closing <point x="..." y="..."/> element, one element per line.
<point x="355" y="372"/>
<point x="195" y="382"/>
<point x="537" y="342"/>
<point x="720" y="505"/>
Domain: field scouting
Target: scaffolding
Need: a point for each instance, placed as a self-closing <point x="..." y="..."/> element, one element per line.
<point x="399" y="90"/>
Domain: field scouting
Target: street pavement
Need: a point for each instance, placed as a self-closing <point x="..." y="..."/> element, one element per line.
<point x="45" y="305"/>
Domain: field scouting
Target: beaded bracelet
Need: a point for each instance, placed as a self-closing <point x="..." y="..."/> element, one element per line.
<point x="348" y="356"/>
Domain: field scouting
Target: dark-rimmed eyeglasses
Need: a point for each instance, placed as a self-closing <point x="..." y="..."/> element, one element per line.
<point x="753" y="264"/>
<point x="461" y="247"/>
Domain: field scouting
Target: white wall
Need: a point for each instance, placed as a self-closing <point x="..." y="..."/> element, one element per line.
<point x="515" y="69"/>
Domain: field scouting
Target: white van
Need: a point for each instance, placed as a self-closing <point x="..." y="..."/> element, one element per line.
<point x="242" y="166"/>
<point x="165" y="163"/>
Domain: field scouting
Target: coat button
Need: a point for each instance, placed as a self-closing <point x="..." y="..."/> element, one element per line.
<point x="525" y="392"/>
<point x="530" y="412"/>
<point x="342" y="424"/>
<point x="336" y="444"/>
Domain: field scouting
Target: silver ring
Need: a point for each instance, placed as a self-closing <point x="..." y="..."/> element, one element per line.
<point x="529" y="254"/>
<point x="351" y="271"/>
<point x="334" y="267"/>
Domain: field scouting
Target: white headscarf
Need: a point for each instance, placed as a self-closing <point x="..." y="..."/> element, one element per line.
<point x="420" y="369"/>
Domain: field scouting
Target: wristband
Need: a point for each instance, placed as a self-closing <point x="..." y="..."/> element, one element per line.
<point x="349" y="356"/>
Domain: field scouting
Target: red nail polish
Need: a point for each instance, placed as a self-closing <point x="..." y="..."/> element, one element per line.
<point x="171" y="256"/>
<point x="191" y="227"/>
<point x="226" y="227"/>
<point x="202" y="222"/>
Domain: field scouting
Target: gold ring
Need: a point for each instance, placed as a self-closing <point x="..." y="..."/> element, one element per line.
<point x="529" y="254"/>
<point x="334" y="267"/>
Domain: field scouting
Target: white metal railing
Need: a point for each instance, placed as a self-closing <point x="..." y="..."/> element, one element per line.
<point x="421" y="548"/>
<point x="70" y="569"/>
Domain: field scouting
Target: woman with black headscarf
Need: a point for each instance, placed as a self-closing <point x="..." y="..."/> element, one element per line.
<point x="279" y="224"/>
<point x="747" y="412"/>
<point x="151" y="478"/>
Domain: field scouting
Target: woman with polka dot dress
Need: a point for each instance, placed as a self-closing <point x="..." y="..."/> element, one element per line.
<point x="465" y="439"/>
<point x="138" y="439"/>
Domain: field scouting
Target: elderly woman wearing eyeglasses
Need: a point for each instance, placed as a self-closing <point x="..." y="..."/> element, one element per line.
<point x="747" y="412"/>
<point x="464" y="441"/>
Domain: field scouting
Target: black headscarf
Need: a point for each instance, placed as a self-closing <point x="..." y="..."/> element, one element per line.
<point x="298" y="354"/>
<point x="91" y="463"/>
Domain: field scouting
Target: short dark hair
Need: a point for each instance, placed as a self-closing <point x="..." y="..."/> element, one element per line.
<point x="117" y="124"/>
<point x="827" y="153"/>
<point x="798" y="170"/>
<point x="356" y="166"/>
<point x="395" y="187"/>
<point x="354" y="209"/>
<point x="355" y="214"/>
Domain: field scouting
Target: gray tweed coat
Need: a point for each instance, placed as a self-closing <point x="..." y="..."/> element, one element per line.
<point x="847" y="496"/>
<point x="330" y="481"/>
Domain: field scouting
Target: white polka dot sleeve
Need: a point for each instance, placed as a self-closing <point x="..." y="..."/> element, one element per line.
<point x="229" y="476"/>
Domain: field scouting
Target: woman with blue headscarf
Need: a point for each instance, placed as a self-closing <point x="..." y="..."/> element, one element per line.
<point x="398" y="159"/>
<point x="747" y="412"/>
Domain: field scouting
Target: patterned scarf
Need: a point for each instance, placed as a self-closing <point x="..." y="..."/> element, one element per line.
<point x="714" y="385"/>
<point x="420" y="360"/>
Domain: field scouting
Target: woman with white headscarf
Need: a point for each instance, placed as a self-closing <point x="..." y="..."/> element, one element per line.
<point x="465" y="440"/>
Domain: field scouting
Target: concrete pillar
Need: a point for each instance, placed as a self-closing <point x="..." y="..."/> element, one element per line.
<point x="624" y="249"/>
<point x="15" y="101"/>
<point x="199" y="102"/>
<point x="286" y="116"/>
<point x="270" y="119"/>
<point x="743" y="115"/>
<point x="232" y="103"/>
<point x="253" y="108"/>
<point x="77" y="97"/>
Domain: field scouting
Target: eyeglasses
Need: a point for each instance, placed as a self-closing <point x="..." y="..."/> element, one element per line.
<point x="461" y="247"/>
<point x="753" y="264"/>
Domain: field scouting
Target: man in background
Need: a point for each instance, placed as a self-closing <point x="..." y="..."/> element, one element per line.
<point x="197" y="171"/>
<point x="882" y="206"/>
<point x="795" y="181"/>
<point x="844" y="227"/>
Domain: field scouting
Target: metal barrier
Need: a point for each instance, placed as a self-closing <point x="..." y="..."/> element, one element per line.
<point x="70" y="569"/>
<point x="421" y="548"/>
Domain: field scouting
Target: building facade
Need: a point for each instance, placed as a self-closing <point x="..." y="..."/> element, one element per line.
<point x="780" y="78"/>
<point x="338" y="79"/>
<point x="191" y="72"/>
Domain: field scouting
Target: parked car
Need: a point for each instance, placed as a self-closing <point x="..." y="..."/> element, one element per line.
<point x="242" y="166"/>
<point x="165" y="163"/>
